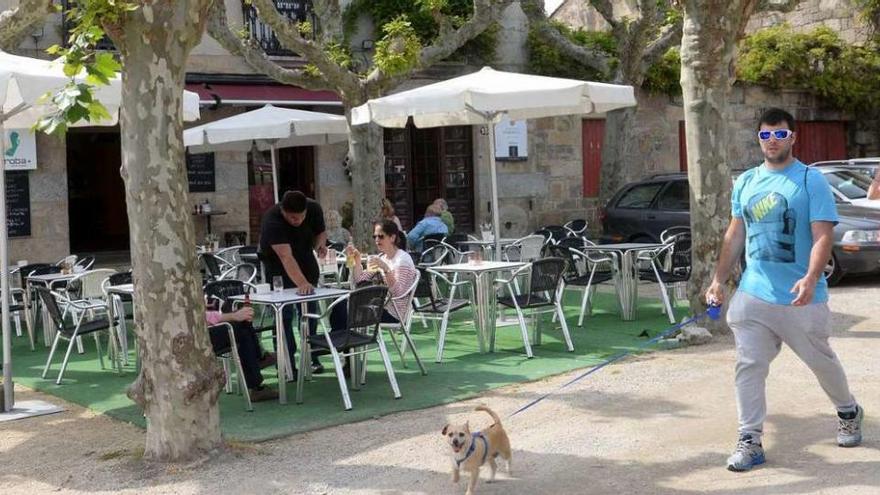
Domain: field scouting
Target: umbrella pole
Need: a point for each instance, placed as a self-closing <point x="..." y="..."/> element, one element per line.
<point x="274" y="174"/>
<point x="8" y="396"/>
<point x="494" y="178"/>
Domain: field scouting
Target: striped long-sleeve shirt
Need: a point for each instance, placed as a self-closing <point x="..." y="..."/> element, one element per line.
<point x="404" y="275"/>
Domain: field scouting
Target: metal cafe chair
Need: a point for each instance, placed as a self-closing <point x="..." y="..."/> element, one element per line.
<point x="361" y="335"/>
<point x="541" y="296"/>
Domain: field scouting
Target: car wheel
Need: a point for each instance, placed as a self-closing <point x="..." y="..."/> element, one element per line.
<point x="833" y="273"/>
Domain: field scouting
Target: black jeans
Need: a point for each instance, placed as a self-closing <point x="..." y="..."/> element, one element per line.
<point x="248" y="348"/>
<point x="287" y="320"/>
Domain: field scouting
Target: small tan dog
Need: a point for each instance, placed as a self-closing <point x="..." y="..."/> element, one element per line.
<point x="471" y="450"/>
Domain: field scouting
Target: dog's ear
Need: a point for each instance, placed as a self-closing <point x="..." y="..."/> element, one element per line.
<point x="467" y="426"/>
<point x="445" y="427"/>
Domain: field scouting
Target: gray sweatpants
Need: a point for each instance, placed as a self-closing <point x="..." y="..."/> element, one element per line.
<point x="759" y="329"/>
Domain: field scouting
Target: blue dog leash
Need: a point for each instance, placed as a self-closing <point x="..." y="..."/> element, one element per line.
<point x="714" y="312"/>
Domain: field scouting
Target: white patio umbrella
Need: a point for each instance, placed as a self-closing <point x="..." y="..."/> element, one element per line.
<point x="270" y="128"/>
<point x="485" y="97"/>
<point x="23" y="82"/>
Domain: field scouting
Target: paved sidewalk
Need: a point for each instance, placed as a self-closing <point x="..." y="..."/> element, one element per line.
<point x="658" y="424"/>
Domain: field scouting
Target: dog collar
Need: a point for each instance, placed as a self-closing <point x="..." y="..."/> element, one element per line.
<point x="473" y="447"/>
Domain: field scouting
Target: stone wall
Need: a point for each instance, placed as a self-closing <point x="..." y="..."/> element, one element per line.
<point x="50" y="231"/>
<point x="840" y="15"/>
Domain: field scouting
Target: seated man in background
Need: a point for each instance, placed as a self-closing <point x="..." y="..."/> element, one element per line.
<point x="431" y="224"/>
<point x="248" y="348"/>
<point x="445" y="214"/>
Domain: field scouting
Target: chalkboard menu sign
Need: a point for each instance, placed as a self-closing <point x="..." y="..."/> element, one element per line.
<point x="200" y="172"/>
<point x="18" y="204"/>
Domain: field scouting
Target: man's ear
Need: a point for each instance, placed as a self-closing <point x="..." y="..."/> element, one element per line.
<point x="445" y="427"/>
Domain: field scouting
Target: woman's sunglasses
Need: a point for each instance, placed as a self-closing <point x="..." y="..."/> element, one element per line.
<point x="779" y="134"/>
<point x="378" y="236"/>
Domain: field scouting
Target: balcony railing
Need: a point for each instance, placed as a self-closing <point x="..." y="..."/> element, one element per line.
<point x="296" y="10"/>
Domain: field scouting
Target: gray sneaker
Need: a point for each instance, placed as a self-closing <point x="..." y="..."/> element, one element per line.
<point x="849" y="428"/>
<point x="748" y="454"/>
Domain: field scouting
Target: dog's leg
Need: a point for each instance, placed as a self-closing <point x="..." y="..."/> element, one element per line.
<point x="456" y="474"/>
<point x="493" y="466"/>
<point x="475" y="475"/>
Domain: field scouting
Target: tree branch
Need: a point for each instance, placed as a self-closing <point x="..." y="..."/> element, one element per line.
<point x="670" y="36"/>
<point x="590" y="57"/>
<point x="329" y="16"/>
<point x="17" y="23"/>
<point x="218" y="28"/>
<point x="485" y="13"/>
<point x="606" y="10"/>
<point x="288" y="34"/>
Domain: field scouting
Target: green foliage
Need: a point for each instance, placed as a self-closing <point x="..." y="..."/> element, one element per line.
<point x="399" y="48"/>
<point x="338" y="53"/>
<point x="869" y="11"/>
<point x="74" y="102"/>
<point x="422" y="16"/>
<point x="664" y="76"/>
<point x="546" y="59"/>
<point x="819" y="61"/>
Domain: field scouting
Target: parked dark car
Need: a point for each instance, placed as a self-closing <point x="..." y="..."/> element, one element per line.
<point x="640" y="211"/>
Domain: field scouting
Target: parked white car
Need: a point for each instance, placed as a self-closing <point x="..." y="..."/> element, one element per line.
<point x="850" y="180"/>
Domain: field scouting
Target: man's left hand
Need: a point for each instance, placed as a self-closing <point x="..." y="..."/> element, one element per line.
<point x="322" y="252"/>
<point x="804" y="290"/>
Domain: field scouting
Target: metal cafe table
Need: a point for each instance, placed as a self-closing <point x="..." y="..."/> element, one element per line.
<point x="627" y="275"/>
<point x="278" y="300"/>
<point x="485" y="307"/>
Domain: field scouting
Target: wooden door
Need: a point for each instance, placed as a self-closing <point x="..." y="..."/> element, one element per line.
<point x="682" y="147"/>
<point x="296" y="170"/>
<point x="426" y="169"/>
<point x="458" y="175"/>
<point x="398" y="177"/>
<point x="422" y="165"/>
<point x="818" y="141"/>
<point x="593" y="134"/>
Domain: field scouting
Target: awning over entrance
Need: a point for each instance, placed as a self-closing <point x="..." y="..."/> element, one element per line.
<point x="261" y="94"/>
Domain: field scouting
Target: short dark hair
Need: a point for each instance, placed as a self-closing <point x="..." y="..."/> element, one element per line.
<point x="390" y="228"/>
<point x="294" y="202"/>
<point x="774" y="116"/>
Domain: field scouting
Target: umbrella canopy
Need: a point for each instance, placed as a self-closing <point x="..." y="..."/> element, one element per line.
<point x="269" y="126"/>
<point x="470" y="99"/>
<point x="24" y="80"/>
<point x="23" y="83"/>
<point x="485" y="97"/>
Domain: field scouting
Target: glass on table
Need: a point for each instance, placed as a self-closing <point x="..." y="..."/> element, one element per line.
<point x="277" y="283"/>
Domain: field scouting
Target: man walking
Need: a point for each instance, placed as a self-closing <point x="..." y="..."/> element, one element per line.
<point x="783" y="214"/>
<point x="290" y="232"/>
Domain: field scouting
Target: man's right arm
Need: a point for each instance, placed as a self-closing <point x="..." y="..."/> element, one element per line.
<point x="731" y="249"/>
<point x="291" y="267"/>
<point x="874" y="189"/>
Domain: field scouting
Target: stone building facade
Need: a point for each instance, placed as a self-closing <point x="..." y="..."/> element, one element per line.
<point x="546" y="188"/>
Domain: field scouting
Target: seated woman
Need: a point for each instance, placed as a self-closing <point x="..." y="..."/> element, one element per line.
<point x="336" y="233"/>
<point x="394" y="268"/>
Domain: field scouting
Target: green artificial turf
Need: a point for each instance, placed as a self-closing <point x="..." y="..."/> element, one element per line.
<point x="463" y="373"/>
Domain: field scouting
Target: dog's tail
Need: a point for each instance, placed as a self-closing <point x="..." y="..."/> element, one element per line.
<point x="490" y="412"/>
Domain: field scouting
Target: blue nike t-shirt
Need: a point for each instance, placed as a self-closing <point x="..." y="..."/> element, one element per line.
<point x="777" y="207"/>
